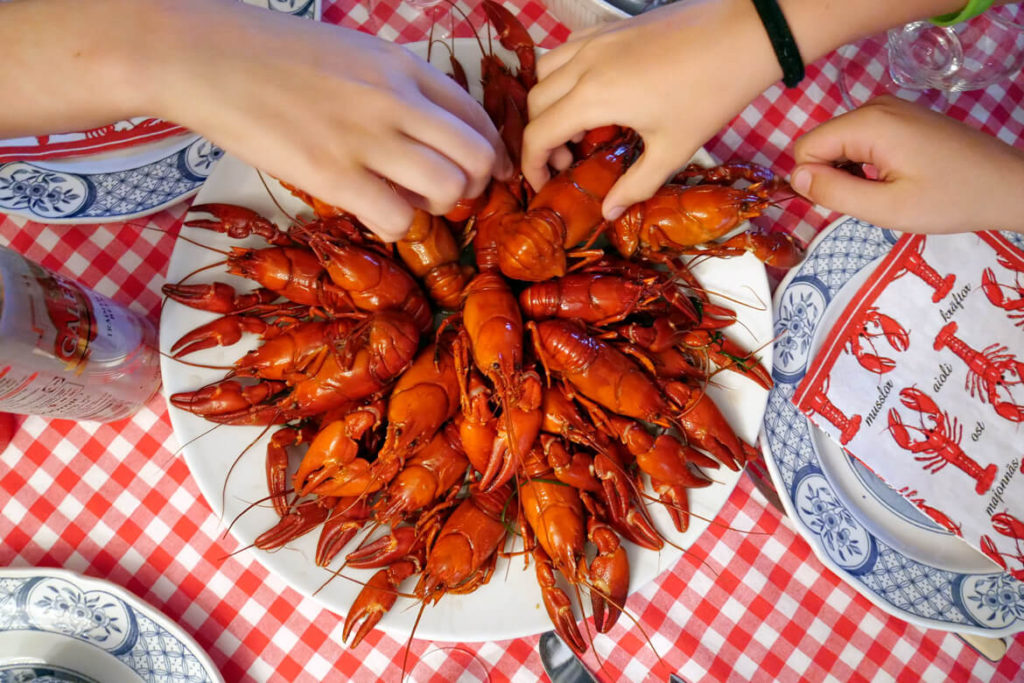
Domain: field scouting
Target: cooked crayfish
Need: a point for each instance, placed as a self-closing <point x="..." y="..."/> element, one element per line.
<point x="438" y="406"/>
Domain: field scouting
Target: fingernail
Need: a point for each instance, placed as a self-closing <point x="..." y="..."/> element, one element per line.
<point x="801" y="180"/>
<point x="386" y="234"/>
<point x="614" y="212"/>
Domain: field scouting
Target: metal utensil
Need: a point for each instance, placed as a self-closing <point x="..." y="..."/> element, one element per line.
<point x="991" y="649"/>
<point x="560" y="662"/>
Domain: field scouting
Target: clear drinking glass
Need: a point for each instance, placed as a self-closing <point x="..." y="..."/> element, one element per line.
<point x="452" y="664"/>
<point x="927" y="63"/>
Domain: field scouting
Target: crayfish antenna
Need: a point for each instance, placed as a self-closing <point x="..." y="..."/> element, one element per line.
<point x="476" y="34"/>
<point x="650" y="644"/>
<point x="273" y="198"/>
<point x="412" y="633"/>
<point x="224" y="487"/>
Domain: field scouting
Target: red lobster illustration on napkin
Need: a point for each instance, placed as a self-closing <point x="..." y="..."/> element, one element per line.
<point x="924" y="371"/>
<point x="936" y="437"/>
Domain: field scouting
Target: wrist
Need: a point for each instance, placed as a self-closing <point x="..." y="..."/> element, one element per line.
<point x="154" y="47"/>
<point x="820" y="27"/>
<point x="783" y="43"/>
<point x="762" y="67"/>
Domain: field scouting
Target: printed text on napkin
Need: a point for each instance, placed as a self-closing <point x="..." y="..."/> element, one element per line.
<point x="922" y="379"/>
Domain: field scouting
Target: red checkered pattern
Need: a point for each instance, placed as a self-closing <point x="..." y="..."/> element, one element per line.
<point x="750" y="601"/>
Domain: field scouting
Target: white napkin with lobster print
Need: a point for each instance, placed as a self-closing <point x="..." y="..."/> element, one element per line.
<point x="922" y="380"/>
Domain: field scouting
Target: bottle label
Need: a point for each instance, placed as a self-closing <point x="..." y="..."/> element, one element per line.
<point x="68" y="352"/>
<point x="70" y="313"/>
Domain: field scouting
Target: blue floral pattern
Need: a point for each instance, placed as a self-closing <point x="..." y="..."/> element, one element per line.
<point x="92" y="616"/>
<point x="996" y="600"/>
<point x="87" y="611"/>
<point x="987" y="603"/>
<point x="36" y="673"/>
<point x="826" y="516"/>
<point x="45" y="193"/>
<point x="795" y="323"/>
<point x="200" y="158"/>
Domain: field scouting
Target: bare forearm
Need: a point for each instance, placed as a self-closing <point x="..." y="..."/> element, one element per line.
<point x="72" y="64"/>
<point x="821" y="26"/>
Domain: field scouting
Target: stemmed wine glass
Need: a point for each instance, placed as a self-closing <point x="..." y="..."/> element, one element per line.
<point x="930" y="64"/>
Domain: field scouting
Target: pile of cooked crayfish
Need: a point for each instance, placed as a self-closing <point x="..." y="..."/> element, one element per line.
<point x="518" y="366"/>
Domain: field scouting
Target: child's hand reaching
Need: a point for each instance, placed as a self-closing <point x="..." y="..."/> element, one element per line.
<point x="355" y="120"/>
<point x="934" y="174"/>
<point x="675" y="75"/>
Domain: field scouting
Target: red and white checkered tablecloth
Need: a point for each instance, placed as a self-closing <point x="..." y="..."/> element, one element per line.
<point x="117" y="501"/>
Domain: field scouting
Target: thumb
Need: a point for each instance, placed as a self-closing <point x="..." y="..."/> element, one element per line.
<point x="844" y="192"/>
<point x="638" y="184"/>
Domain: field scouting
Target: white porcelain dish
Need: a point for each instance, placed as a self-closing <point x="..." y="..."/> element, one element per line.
<point x="60" y="626"/>
<point x="512" y="592"/>
<point x="869" y="535"/>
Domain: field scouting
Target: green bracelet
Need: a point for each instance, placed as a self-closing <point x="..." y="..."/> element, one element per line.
<point x="972" y="9"/>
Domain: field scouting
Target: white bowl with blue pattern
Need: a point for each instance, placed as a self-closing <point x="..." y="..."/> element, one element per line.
<point x="58" y="626"/>
<point x="860" y="528"/>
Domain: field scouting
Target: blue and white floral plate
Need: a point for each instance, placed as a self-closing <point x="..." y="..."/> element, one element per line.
<point x="124" y="184"/>
<point x="60" y="627"/>
<point x="870" y="536"/>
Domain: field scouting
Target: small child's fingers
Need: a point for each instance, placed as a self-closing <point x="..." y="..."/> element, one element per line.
<point x="548" y="132"/>
<point x="375" y="203"/>
<point x="554" y="59"/>
<point x="876" y="201"/>
<point x="561" y="158"/>
<point x="638" y="183"/>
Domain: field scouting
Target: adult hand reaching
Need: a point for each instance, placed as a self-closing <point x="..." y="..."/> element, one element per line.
<point x="679" y="73"/>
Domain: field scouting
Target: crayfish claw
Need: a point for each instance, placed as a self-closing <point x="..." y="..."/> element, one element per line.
<point x="374" y="600"/>
<point x="609" y="576"/>
<point x="237" y="222"/>
<point x="557" y="603"/>
<point x="223" y="331"/>
<point x="383" y="550"/>
<point x="217" y="297"/>
<point x="302" y="519"/>
<point x="227" y="399"/>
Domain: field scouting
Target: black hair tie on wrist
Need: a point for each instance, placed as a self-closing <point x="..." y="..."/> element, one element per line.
<point x="782" y="41"/>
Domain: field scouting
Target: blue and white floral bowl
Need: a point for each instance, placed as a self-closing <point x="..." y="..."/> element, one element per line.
<point x="864" y="531"/>
<point x="60" y="627"/>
